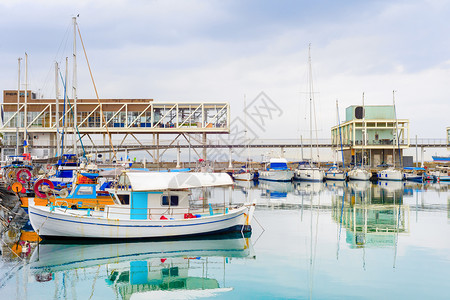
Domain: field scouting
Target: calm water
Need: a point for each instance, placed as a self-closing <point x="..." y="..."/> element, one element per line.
<point x="309" y="241"/>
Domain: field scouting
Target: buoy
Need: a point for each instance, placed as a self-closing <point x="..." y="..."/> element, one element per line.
<point x="17" y="187"/>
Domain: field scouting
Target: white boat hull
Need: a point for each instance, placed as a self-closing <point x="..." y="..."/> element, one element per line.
<point x="281" y="175"/>
<point x="63" y="223"/>
<point x="390" y="174"/>
<point x="309" y="174"/>
<point x="243" y="176"/>
<point x="335" y="176"/>
<point x="359" y="174"/>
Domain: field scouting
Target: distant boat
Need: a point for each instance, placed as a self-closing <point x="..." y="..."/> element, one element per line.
<point x="359" y="174"/>
<point x="276" y="170"/>
<point x="390" y="174"/>
<point x="441" y="158"/>
<point x="393" y="173"/>
<point x="414" y="174"/>
<point x="159" y="206"/>
<point x="243" y="174"/>
<point x="334" y="173"/>
<point x="308" y="171"/>
<point x="441" y="174"/>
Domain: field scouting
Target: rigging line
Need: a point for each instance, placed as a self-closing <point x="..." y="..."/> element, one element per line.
<point x="65" y="41"/>
<point x="64" y="115"/>
<point x="96" y="93"/>
<point x="73" y="114"/>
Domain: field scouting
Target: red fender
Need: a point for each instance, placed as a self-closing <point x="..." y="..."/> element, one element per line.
<point x="39" y="183"/>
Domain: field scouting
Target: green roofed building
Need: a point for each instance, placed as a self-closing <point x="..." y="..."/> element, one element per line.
<point x="371" y="135"/>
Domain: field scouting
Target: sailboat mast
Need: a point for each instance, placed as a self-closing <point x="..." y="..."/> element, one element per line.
<point x="310" y="100"/>
<point x="74" y="85"/>
<point x="58" y="138"/>
<point x="245" y="134"/>
<point x="25" y="123"/>
<point x="396" y="130"/>
<point x="18" y="108"/>
<point x="364" y="133"/>
<point x="340" y="133"/>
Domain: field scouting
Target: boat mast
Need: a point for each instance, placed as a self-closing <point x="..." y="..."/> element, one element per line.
<point x="310" y="102"/>
<point x="245" y="134"/>
<point x="18" y="108"/>
<point x="58" y="138"/>
<point x="364" y="133"/>
<point x="396" y="132"/>
<point x="74" y="85"/>
<point x="340" y="133"/>
<point x="26" y="104"/>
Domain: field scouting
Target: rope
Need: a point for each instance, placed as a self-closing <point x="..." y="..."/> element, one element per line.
<point x="96" y="93"/>
<point x="74" y="118"/>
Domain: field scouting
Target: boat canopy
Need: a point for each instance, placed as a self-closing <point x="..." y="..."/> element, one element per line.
<point x="414" y="168"/>
<point x="278" y="164"/>
<point x="156" y="181"/>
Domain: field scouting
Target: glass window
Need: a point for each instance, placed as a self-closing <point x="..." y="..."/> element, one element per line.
<point x="173" y="200"/>
<point x="85" y="190"/>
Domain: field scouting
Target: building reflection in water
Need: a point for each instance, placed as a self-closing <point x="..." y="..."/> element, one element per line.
<point x="372" y="215"/>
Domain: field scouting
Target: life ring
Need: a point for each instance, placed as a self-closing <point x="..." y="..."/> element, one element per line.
<point x="38" y="184"/>
<point x="49" y="167"/>
<point x="23" y="179"/>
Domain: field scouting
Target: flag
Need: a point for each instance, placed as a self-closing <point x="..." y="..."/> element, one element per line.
<point x="25" y="144"/>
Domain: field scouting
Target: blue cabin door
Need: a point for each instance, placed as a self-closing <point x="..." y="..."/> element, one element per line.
<point x="138" y="210"/>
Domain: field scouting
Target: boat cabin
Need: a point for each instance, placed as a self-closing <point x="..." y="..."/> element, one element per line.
<point x="277" y="164"/>
<point x="158" y="196"/>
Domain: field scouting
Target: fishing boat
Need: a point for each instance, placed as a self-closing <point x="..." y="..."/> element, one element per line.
<point x="158" y="206"/>
<point x="276" y="170"/>
<point x="83" y="195"/>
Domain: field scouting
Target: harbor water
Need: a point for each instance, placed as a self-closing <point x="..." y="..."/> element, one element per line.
<point x="333" y="240"/>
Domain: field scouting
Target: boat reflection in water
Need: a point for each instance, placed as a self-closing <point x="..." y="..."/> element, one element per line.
<point x="170" y="268"/>
<point x="372" y="215"/>
<point x="275" y="189"/>
<point x="308" y="187"/>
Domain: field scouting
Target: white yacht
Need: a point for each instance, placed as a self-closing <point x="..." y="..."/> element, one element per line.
<point x="390" y="174"/>
<point x="308" y="172"/>
<point x="276" y="170"/>
<point x="359" y="174"/>
<point x="334" y="173"/>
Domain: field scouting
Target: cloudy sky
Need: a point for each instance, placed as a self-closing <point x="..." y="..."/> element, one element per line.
<point x="223" y="50"/>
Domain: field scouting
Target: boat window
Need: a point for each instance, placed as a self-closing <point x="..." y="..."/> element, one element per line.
<point x="173" y="200"/>
<point x="124" y="199"/>
<point x="85" y="190"/>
